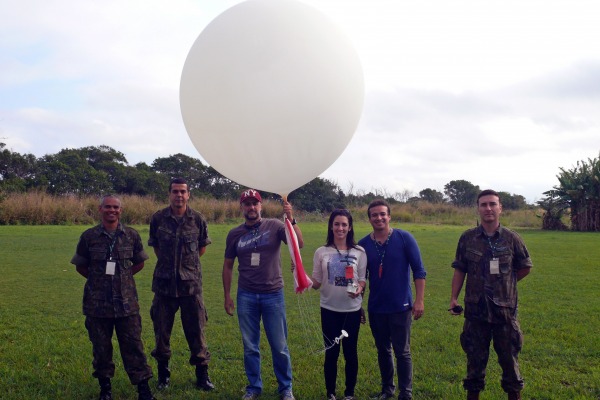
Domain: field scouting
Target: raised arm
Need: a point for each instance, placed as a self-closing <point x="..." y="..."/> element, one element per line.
<point x="287" y="209"/>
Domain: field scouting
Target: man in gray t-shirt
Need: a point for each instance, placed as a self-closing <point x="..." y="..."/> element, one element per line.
<point x="256" y="244"/>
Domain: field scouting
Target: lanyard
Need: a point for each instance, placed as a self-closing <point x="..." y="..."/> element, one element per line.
<point x="111" y="246"/>
<point x="492" y="246"/>
<point x="381" y="253"/>
<point x="342" y="258"/>
<point x="255" y="236"/>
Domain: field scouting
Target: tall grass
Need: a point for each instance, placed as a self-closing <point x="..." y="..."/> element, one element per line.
<point x="38" y="208"/>
<point x="45" y="352"/>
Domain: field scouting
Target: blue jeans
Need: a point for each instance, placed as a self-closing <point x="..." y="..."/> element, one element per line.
<point x="271" y="307"/>
<point x="392" y="332"/>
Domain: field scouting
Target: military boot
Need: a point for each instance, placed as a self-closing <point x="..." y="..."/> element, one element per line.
<point x="105" y="389"/>
<point x="472" y="395"/>
<point x="144" y="392"/>
<point x="203" y="381"/>
<point x="514" y="396"/>
<point x="164" y="375"/>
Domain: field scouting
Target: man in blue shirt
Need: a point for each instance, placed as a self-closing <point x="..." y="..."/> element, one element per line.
<point x="391" y="255"/>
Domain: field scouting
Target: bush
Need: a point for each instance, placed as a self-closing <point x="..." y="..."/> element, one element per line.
<point x="40" y="208"/>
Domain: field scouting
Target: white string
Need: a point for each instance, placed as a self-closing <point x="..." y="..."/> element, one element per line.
<point x="310" y="324"/>
<point x="338" y="339"/>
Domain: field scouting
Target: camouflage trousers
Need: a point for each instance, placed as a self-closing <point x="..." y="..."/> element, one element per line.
<point x="193" y="320"/>
<point x="508" y="340"/>
<point x="129" y="335"/>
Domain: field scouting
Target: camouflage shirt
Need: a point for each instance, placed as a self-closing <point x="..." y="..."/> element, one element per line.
<point x="178" y="270"/>
<point x="109" y="296"/>
<point x="491" y="297"/>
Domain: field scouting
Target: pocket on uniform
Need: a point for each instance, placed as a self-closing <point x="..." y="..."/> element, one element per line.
<point x="504" y="261"/>
<point x="473" y="255"/>
<point x="191" y="243"/>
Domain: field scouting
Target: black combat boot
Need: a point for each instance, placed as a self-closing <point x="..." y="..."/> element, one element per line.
<point x="164" y="375"/>
<point x="105" y="389"/>
<point x="472" y="395"/>
<point x="144" y="392"/>
<point x="203" y="381"/>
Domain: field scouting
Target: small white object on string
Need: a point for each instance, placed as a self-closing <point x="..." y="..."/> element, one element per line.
<point x="339" y="338"/>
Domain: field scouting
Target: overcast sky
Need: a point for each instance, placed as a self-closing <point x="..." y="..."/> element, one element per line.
<point x="499" y="93"/>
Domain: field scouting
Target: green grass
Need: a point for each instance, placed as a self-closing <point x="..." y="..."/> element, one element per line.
<point x="45" y="352"/>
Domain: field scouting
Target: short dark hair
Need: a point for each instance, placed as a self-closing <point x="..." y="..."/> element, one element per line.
<point x="110" y="196"/>
<point x="376" y="203"/>
<point x="488" y="192"/>
<point x="350" y="243"/>
<point x="178" y="181"/>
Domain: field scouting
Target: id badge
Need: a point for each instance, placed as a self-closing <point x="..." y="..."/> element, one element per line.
<point x="255" y="259"/>
<point x="349" y="272"/>
<point x="110" y="267"/>
<point x="494" y="266"/>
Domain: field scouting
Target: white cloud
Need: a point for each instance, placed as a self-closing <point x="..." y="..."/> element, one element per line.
<point x="499" y="93"/>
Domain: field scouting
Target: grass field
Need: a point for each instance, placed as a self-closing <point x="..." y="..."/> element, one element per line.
<point x="45" y="352"/>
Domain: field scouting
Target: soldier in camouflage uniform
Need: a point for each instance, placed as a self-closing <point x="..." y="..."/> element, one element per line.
<point x="108" y="256"/>
<point x="179" y="236"/>
<point x="493" y="258"/>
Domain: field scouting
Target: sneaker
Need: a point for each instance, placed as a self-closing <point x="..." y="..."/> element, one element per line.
<point x="331" y="397"/>
<point x="287" y="396"/>
<point x="349" y="398"/>
<point x="250" y="396"/>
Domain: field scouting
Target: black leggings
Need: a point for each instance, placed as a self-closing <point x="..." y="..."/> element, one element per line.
<point x="332" y="323"/>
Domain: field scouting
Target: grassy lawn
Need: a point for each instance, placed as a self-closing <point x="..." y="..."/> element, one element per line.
<point x="45" y="352"/>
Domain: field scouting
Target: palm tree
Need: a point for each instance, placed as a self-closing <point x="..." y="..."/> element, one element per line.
<point x="579" y="190"/>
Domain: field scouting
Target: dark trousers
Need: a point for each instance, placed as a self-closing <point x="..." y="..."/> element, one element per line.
<point x="508" y="340"/>
<point x="332" y="323"/>
<point x="392" y="332"/>
<point x="193" y="320"/>
<point x="129" y="335"/>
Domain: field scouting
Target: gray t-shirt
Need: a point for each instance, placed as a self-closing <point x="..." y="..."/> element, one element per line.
<point x="258" y="252"/>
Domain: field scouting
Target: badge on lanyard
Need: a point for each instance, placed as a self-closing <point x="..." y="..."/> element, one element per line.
<point x="494" y="266"/>
<point x="255" y="259"/>
<point x="110" y="267"/>
<point x="111" y="264"/>
<point x="349" y="272"/>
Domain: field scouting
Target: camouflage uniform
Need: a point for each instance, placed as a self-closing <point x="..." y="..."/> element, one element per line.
<point x="491" y="304"/>
<point x="177" y="282"/>
<point x="110" y="302"/>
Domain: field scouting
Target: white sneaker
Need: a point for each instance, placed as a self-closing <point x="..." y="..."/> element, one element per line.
<point x="287" y="396"/>
<point x="250" y="396"/>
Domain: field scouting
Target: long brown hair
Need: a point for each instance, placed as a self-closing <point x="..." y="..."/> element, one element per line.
<point x="350" y="243"/>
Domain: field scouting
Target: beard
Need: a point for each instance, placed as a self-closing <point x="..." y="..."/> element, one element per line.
<point x="252" y="215"/>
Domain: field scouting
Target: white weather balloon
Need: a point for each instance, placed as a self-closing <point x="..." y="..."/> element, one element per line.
<point x="271" y="94"/>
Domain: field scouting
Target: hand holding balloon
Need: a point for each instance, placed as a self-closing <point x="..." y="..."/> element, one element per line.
<point x="287" y="210"/>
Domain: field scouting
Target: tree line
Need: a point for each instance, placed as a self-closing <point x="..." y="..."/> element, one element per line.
<point x="101" y="169"/>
